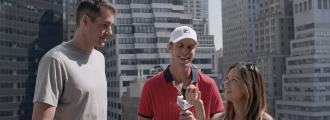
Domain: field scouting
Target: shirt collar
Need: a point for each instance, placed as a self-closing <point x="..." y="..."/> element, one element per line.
<point x="169" y="78"/>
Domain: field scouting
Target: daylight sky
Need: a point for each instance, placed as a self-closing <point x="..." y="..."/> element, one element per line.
<point x="215" y="18"/>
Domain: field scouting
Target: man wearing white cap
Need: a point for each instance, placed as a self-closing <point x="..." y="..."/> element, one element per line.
<point x="159" y="94"/>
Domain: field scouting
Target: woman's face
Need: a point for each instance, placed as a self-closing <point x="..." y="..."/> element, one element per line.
<point x="234" y="86"/>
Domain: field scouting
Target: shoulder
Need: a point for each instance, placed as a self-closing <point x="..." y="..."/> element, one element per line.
<point x="266" y="116"/>
<point x="205" y="80"/>
<point x="157" y="79"/>
<point x="98" y="53"/>
<point x="57" y="52"/>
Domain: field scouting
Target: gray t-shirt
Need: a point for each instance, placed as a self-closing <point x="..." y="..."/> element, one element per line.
<point x="74" y="82"/>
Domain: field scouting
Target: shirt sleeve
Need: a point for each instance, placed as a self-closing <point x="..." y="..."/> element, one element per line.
<point x="145" y="106"/>
<point x="217" y="105"/>
<point x="49" y="82"/>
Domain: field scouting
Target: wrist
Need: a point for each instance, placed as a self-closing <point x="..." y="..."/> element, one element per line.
<point x="199" y="104"/>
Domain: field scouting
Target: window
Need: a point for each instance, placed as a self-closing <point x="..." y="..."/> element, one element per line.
<point x="119" y="106"/>
<point x="325" y="3"/>
<point x="300" y="7"/>
<point x="124" y="20"/>
<point x="125" y="2"/>
<point x="305" y="6"/>
<point x="296" y="8"/>
<point x="309" y="4"/>
<point x="319" y="2"/>
<point x="124" y="29"/>
<point x="126" y="83"/>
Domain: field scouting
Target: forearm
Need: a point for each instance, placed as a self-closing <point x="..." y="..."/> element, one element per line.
<point x="199" y="111"/>
<point x="43" y="111"/>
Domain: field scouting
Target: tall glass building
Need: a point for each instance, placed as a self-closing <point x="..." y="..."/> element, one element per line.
<point x="28" y="29"/>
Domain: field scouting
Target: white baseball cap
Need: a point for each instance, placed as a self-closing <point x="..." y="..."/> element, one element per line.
<point x="182" y="32"/>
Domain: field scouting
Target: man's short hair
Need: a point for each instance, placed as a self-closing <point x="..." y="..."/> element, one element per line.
<point x="92" y="8"/>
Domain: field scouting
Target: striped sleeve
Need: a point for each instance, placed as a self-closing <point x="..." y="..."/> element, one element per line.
<point x="145" y="107"/>
<point x="217" y="105"/>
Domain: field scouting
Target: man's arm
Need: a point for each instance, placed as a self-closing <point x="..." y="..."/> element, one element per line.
<point x="43" y="111"/>
<point x="142" y="118"/>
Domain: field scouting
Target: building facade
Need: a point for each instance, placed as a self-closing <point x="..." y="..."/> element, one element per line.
<point x="199" y="10"/>
<point x="237" y="30"/>
<point x="273" y="31"/>
<point x="70" y="7"/>
<point x="306" y="84"/>
<point x="218" y="64"/>
<point x="28" y="29"/>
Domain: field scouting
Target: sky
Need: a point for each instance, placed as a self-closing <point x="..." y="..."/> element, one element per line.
<point x="215" y="24"/>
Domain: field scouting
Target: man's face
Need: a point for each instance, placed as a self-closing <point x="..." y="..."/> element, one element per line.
<point x="100" y="29"/>
<point x="182" y="52"/>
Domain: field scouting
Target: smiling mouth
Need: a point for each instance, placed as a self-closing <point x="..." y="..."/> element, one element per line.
<point x="184" y="58"/>
<point x="104" y="37"/>
<point x="227" y="91"/>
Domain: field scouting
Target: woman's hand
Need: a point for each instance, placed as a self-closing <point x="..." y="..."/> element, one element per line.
<point x="196" y="101"/>
<point x="193" y="97"/>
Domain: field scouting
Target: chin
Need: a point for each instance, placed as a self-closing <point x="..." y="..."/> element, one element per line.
<point x="100" y="44"/>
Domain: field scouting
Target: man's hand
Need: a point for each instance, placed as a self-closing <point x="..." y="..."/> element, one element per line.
<point x="186" y="115"/>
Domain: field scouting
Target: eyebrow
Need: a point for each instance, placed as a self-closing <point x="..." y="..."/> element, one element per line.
<point x="107" y="22"/>
<point x="236" y="77"/>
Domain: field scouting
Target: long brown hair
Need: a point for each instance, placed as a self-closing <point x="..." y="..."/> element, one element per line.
<point x="254" y="93"/>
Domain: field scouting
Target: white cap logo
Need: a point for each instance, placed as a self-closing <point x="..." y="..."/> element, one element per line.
<point x="182" y="32"/>
<point x="186" y="30"/>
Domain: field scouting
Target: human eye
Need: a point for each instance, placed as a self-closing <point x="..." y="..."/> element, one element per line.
<point x="234" y="80"/>
<point x="105" y="25"/>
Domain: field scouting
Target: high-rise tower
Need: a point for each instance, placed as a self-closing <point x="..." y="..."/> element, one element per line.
<point x="306" y="84"/>
<point x="28" y="29"/>
<point x="273" y="31"/>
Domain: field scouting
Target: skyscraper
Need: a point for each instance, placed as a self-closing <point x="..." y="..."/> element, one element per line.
<point x="28" y="29"/>
<point x="70" y="7"/>
<point x="262" y="38"/>
<point x="273" y="31"/>
<point x="237" y="29"/>
<point x="306" y="84"/>
<point x="199" y="10"/>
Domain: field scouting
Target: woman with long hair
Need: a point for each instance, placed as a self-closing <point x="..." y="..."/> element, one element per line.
<point x="244" y="92"/>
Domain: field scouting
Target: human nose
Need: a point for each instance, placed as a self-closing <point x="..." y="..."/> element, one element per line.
<point x="185" y="50"/>
<point x="227" y="82"/>
<point x="108" y="31"/>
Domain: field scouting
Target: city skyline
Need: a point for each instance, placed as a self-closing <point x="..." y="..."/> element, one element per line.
<point x="141" y="32"/>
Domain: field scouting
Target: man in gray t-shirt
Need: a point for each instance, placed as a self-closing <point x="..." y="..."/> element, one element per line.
<point x="71" y="82"/>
